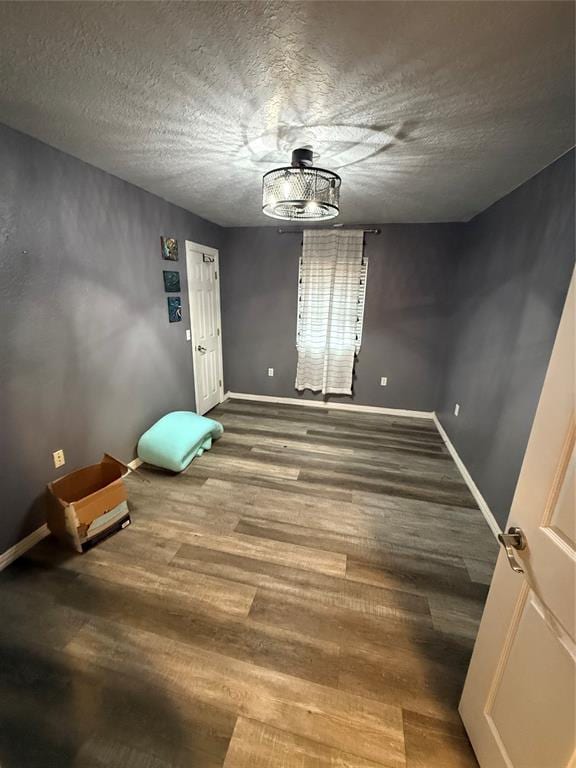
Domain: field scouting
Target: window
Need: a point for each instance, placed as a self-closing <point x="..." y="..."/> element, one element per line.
<point x="331" y="291"/>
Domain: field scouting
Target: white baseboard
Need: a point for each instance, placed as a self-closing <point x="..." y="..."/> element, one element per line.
<point x="132" y="466"/>
<point x="474" y="490"/>
<point x="22" y="546"/>
<point x="332" y="406"/>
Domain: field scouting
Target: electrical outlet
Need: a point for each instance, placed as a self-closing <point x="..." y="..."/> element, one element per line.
<point x="456" y="409"/>
<point x="384" y="381"/>
<point x="270" y="371"/>
<point x="59" y="459"/>
<point x="188" y="334"/>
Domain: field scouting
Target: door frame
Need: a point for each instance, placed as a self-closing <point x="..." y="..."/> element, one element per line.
<point x="208" y="251"/>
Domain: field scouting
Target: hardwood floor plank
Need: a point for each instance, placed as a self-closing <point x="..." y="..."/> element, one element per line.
<point x="325" y="417"/>
<point x="104" y="753"/>
<point x="431" y="743"/>
<point x="377" y="432"/>
<point x="231" y="499"/>
<point x="139" y="548"/>
<point x="256" y="745"/>
<point x="359" y="464"/>
<point x="371" y="549"/>
<point x="393" y="626"/>
<point x="281" y="503"/>
<point x="379" y="419"/>
<point x="481" y="569"/>
<point x="191" y="675"/>
<point x="32" y="614"/>
<point x="30" y="737"/>
<point x="263" y="481"/>
<point x="241" y="465"/>
<point x="395" y="675"/>
<point x="456" y="615"/>
<point x="179" y="526"/>
<point x="283" y="446"/>
<point x="368" y="514"/>
<point x="265" y="423"/>
<point x="332" y="441"/>
<point x="204" y="625"/>
<point x="400" y="629"/>
<point x="394" y="484"/>
<point x="231" y="493"/>
<point x="191" y="589"/>
<point x="377" y="436"/>
<point x="163" y="478"/>
<point x="431" y="577"/>
<point x="44" y="725"/>
<point x="296" y="556"/>
<point x="185" y="514"/>
<point x="112" y="748"/>
<point x="296" y="534"/>
<point x="327" y="590"/>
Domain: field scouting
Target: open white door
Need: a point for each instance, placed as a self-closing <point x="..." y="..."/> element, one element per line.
<point x="519" y="700"/>
<point x="202" y="267"/>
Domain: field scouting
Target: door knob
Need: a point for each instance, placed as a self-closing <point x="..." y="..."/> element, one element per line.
<point x="513" y="539"/>
<point x="200" y="348"/>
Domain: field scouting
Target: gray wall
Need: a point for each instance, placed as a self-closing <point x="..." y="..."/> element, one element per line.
<point x="515" y="263"/>
<point x="405" y="318"/>
<point x="88" y="359"/>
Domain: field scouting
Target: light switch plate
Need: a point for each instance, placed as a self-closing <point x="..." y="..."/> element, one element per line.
<point x="59" y="459"/>
<point x="270" y="371"/>
<point x="188" y="334"/>
<point x="456" y="409"/>
<point x="384" y="381"/>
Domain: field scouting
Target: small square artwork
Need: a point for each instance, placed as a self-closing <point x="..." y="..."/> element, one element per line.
<point x="171" y="281"/>
<point x="169" y="248"/>
<point x="174" y="309"/>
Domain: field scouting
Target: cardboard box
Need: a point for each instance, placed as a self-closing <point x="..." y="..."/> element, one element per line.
<point x="89" y="503"/>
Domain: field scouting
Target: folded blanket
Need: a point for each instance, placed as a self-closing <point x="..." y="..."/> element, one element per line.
<point x="177" y="438"/>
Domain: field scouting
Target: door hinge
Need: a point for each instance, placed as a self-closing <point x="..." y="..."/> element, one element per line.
<point x="215" y="275"/>
<point x="217" y="331"/>
<point x="219" y="382"/>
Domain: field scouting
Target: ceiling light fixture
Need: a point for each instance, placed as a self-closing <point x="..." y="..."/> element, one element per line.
<point x="300" y="191"/>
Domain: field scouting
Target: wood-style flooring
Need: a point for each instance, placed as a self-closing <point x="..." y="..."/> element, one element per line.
<point x="305" y="595"/>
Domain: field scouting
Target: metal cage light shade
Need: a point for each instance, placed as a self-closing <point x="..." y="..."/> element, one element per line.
<point x="301" y="192"/>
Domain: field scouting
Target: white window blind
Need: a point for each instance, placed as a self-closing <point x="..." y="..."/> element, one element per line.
<point x="331" y="292"/>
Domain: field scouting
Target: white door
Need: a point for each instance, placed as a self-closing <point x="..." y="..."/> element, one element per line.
<point x="204" y="296"/>
<point x="519" y="700"/>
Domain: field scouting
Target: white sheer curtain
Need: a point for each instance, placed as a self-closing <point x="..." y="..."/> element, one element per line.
<point x="331" y="294"/>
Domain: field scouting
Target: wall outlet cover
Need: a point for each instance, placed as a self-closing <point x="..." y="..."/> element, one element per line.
<point x="59" y="459"/>
<point x="270" y="371"/>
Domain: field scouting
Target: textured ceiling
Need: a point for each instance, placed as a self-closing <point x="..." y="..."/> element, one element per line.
<point x="429" y="111"/>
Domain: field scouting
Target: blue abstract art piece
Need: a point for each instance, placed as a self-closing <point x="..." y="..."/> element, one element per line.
<point x="174" y="309"/>
<point x="169" y="248"/>
<point x="171" y="281"/>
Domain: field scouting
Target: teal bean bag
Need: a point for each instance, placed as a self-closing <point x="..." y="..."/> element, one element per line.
<point x="177" y="438"/>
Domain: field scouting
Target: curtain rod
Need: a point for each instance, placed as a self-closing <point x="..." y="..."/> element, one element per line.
<point x="281" y="231"/>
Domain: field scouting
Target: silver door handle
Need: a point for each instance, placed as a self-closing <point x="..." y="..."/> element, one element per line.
<point x="200" y="348"/>
<point x="513" y="539"/>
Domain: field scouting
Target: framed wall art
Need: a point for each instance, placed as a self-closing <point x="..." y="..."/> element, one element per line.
<point x="169" y="247"/>
<point x="174" y="309"/>
<point x="171" y="281"/>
